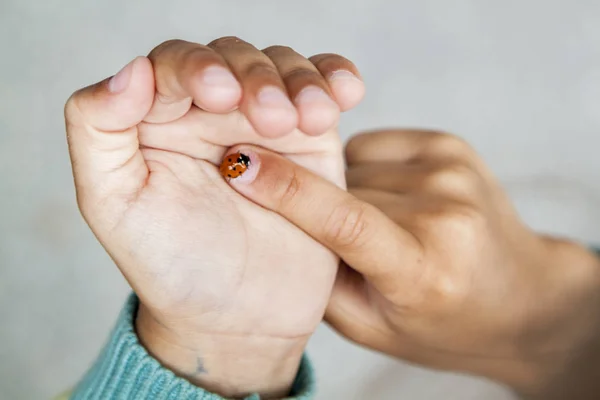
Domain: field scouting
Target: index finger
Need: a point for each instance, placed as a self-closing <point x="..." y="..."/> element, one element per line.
<point x="407" y="145"/>
<point x="362" y="235"/>
<point x="395" y="145"/>
<point x="190" y="73"/>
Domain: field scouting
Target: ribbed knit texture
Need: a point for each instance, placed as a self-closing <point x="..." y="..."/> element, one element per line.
<point x="125" y="370"/>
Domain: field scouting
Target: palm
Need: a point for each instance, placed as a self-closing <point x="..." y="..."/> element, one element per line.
<point x="227" y="252"/>
<point x="144" y="156"/>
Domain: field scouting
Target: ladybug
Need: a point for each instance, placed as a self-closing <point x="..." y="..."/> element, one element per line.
<point x="234" y="165"/>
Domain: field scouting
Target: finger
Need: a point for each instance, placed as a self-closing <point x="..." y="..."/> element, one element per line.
<point x="394" y="145"/>
<point x="343" y="78"/>
<point x="203" y="135"/>
<point x="190" y="73"/>
<point x="265" y="101"/>
<point x="101" y="129"/>
<point x="317" y="111"/>
<point x="389" y="176"/>
<point x="450" y="180"/>
<point x="349" y="310"/>
<point x="400" y="208"/>
<point x="386" y="201"/>
<point x="398" y="145"/>
<point x="358" y="232"/>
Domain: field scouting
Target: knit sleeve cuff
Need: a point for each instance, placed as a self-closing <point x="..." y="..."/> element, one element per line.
<point x="124" y="370"/>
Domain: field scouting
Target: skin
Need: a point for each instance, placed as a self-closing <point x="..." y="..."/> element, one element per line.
<point x="437" y="267"/>
<point x="208" y="265"/>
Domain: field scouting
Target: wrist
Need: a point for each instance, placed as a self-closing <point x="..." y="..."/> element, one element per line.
<point x="562" y="341"/>
<point x="232" y="365"/>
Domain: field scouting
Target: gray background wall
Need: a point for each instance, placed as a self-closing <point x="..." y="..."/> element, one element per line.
<point x="519" y="79"/>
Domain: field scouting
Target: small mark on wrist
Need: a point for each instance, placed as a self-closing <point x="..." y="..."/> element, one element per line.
<point x="200" y="369"/>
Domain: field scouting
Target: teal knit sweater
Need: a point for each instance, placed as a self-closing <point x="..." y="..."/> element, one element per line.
<point x="124" y="370"/>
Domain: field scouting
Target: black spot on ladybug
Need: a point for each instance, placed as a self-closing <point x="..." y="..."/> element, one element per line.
<point x="229" y="175"/>
<point x="234" y="168"/>
<point x="244" y="159"/>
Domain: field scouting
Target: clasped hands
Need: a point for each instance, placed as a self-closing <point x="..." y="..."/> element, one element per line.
<point x="413" y="250"/>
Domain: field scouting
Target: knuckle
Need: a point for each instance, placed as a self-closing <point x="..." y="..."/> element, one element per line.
<point x="300" y="73"/>
<point x="449" y="290"/>
<point x="225" y="41"/>
<point x="192" y="54"/>
<point x="171" y="43"/>
<point x="168" y="44"/>
<point x="455" y="178"/>
<point x="465" y="219"/>
<point x="357" y="144"/>
<point x="440" y="138"/>
<point x="69" y="107"/>
<point x="277" y="49"/>
<point x="261" y="69"/>
<point x="442" y="143"/>
<point x="289" y="191"/>
<point x="326" y="59"/>
<point x="177" y="52"/>
<point x="72" y="110"/>
<point x="346" y="226"/>
<point x="458" y="225"/>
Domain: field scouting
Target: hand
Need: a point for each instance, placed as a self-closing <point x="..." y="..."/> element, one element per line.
<point x="439" y="270"/>
<point x="223" y="283"/>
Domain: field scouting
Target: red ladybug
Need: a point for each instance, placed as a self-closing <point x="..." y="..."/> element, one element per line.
<point x="234" y="165"/>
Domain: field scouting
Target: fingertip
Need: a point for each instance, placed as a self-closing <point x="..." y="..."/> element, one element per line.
<point x="275" y="126"/>
<point x="119" y="102"/>
<point x="240" y="166"/>
<point x="142" y="81"/>
<point x="265" y="177"/>
<point x="134" y="103"/>
<point x="353" y="147"/>
<point x="317" y="121"/>
<point x="271" y="113"/>
<point x="100" y="128"/>
<point x="347" y="88"/>
<point x="316" y="110"/>
<point x="259" y="181"/>
<point x="216" y="89"/>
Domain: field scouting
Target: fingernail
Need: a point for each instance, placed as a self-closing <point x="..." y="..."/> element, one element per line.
<point x="313" y="94"/>
<point x="219" y="76"/>
<point x="240" y="166"/>
<point x="272" y="96"/>
<point x="120" y="81"/>
<point x="343" y="74"/>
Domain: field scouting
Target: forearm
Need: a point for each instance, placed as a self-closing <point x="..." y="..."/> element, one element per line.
<point x="574" y="374"/>
<point x="578" y="379"/>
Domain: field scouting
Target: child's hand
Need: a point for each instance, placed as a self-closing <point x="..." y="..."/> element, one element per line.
<point x="230" y="291"/>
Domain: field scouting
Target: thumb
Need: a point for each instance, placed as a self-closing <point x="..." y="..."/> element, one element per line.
<point x="363" y="236"/>
<point x="101" y="122"/>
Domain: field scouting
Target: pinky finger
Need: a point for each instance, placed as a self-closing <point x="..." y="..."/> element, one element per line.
<point x="343" y="78"/>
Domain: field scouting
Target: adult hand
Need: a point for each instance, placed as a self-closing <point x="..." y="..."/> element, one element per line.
<point x="222" y="282"/>
<point x="439" y="270"/>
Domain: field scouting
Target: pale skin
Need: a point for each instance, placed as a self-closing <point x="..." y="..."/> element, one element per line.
<point x="437" y="267"/>
<point x="222" y="281"/>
